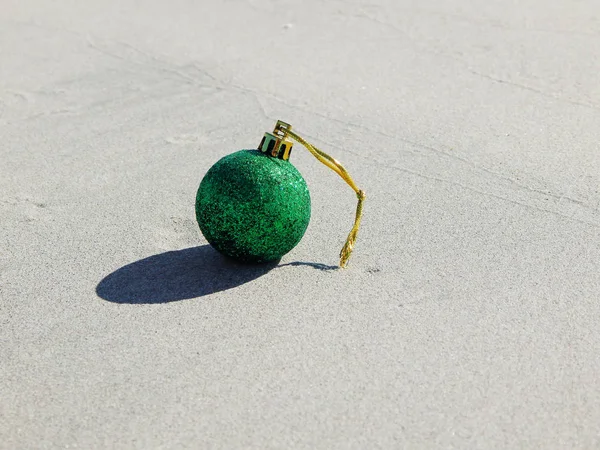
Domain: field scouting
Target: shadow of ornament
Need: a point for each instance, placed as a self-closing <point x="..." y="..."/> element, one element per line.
<point x="183" y="274"/>
<point x="177" y="275"/>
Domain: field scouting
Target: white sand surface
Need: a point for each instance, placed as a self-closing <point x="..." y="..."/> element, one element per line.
<point x="469" y="315"/>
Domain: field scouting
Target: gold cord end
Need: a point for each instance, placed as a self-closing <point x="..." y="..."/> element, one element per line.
<point x="351" y="239"/>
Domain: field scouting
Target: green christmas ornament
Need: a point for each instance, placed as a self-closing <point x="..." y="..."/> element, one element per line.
<point x="254" y="205"/>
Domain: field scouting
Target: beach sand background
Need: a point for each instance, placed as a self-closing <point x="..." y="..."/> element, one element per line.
<point x="468" y="316"/>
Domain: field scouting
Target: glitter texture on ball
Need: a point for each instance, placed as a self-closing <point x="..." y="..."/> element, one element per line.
<point x="253" y="207"/>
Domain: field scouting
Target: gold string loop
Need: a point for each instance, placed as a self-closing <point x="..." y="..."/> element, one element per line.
<point x="284" y="130"/>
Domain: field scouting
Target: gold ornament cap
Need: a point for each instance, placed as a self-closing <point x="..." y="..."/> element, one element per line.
<point x="275" y="144"/>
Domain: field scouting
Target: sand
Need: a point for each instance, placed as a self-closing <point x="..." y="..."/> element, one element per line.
<point x="468" y="315"/>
